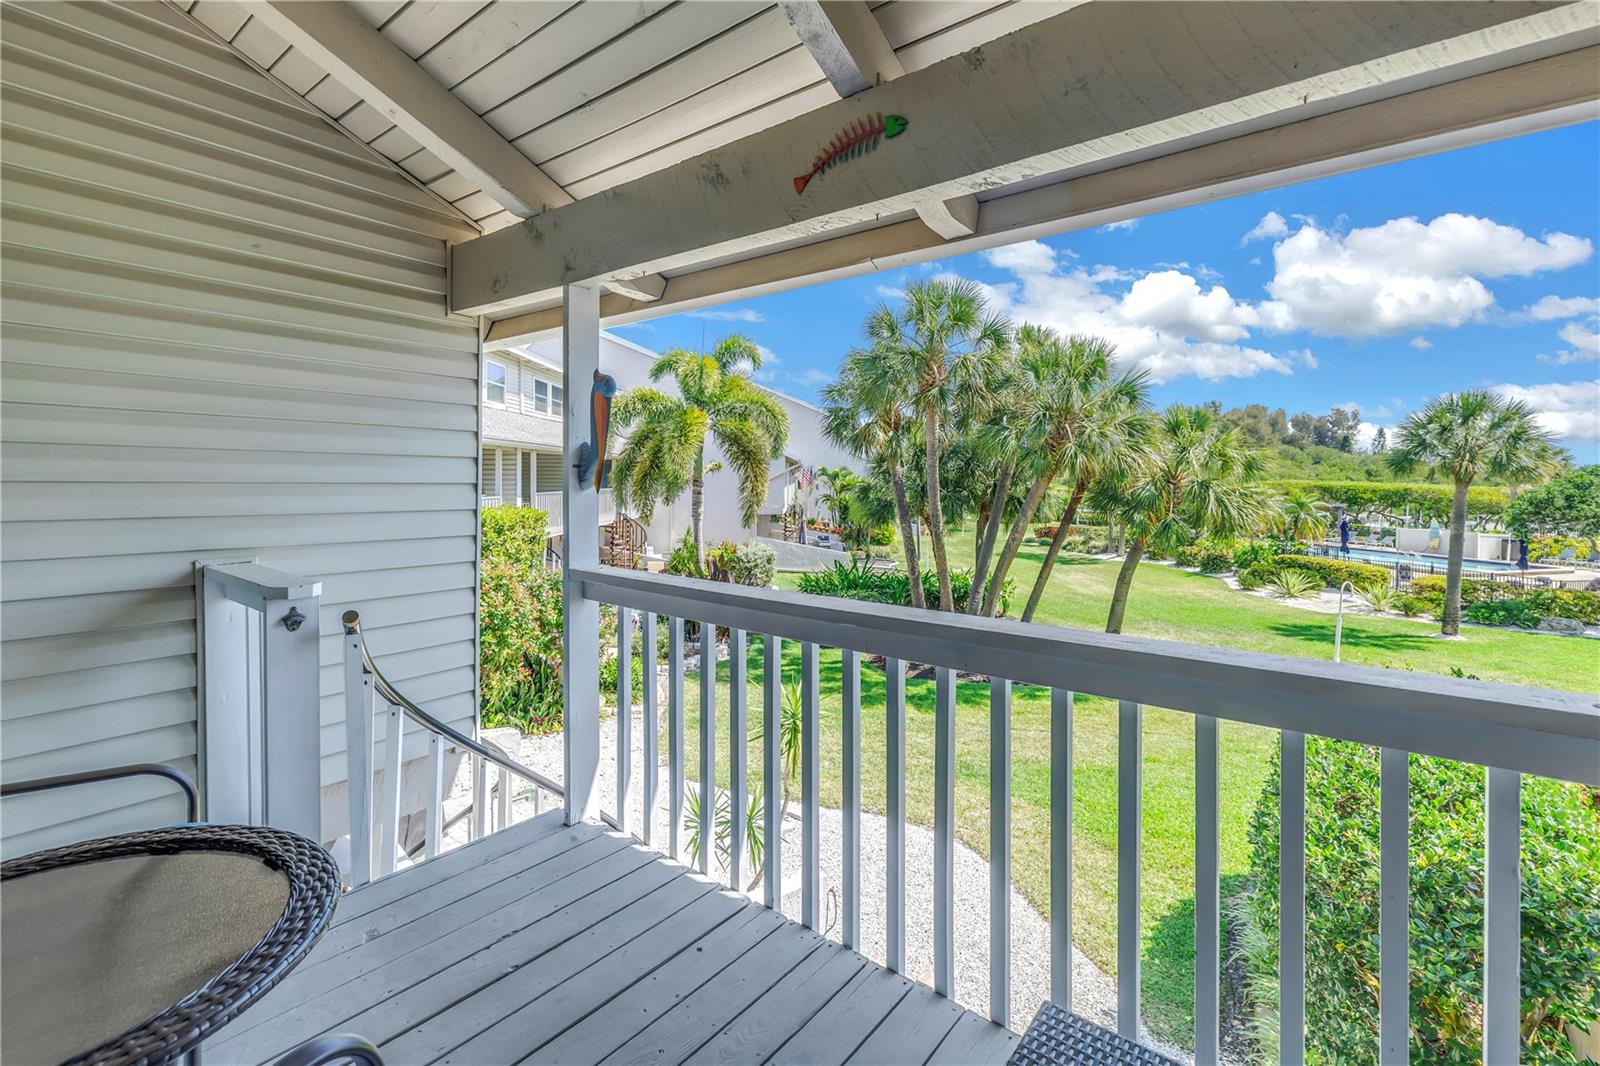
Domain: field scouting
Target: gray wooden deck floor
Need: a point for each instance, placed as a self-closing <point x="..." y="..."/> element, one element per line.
<point x="555" y="944"/>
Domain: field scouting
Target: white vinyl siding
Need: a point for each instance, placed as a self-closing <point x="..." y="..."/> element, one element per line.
<point x="225" y="337"/>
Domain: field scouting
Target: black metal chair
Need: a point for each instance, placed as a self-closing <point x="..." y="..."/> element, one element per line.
<point x="314" y="888"/>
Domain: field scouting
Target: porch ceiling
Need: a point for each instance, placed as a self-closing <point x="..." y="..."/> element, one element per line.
<point x="595" y="93"/>
<point x="1083" y="114"/>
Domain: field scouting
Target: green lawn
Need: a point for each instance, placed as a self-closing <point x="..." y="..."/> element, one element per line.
<point x="1165" y="603"/>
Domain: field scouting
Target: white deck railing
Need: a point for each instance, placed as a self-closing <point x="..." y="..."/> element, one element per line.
<point x="1511" y="730"/>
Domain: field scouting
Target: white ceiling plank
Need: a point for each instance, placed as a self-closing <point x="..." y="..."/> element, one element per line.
<point x="1063" y="96"/>
<point x="368" y="64"/>
<point x="846" y="41"/>
<point x="998" y="21"/>
<point x="905" y="21"/>
<point x="654" y="108"/>
<point x="425" y="166"/>
<point x="424" y="23"/>
<point x="623" y="58"/>
<point x="222" y="17"/>
<point x="646" y="289"/>
<point x="712" y="117"/>
<point x="377" y="12"/>
<point x="365" y="122"/>
<point x="565" y="40"/>
<point x="329" y="96"/>
<point x="1539" y="95"/>
<point x="495" y="30"/>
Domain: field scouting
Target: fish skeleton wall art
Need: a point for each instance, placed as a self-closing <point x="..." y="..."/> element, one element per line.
<point x="859" y="137"/>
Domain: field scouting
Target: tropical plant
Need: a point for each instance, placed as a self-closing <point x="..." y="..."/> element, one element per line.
<point x="1298" y="517"/>
<point x="1074" y="418"/>
<point x="1379" y="597"/>
<point x="942" y="345"/>
<point x="865" y="409"/>
<point x="1519" y="613"/>
<point x="1194" y="481"/>
<point x="1294" y="584"/>
<point x="1466" y="436"/>
<point x="666" y="434"/>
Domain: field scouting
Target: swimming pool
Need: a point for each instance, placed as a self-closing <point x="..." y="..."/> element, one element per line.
<point x="1386" y="558"/>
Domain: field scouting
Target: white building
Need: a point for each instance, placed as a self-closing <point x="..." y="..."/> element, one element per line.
<point x="522" y="407"/>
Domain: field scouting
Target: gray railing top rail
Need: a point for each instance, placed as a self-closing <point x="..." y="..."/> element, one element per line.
<point x="1537" y="731"/>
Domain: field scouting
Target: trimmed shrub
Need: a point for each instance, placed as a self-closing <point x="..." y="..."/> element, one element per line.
<point x="854" y="581"/>
<point x="515" y="535"/>
<point x="1551" y="603"/>
<point x="1416" y="606"/>
<point x="1560" y="897"/>
<point x="1423" y="502"/>
<point x="1334" y="572"/>
<point x="1254" y="577"/>
<point x="1518" y="613"/>
<point x="1261" y="551"/>
<point x="1542" y="548"/>
<point x="751" y="563"/>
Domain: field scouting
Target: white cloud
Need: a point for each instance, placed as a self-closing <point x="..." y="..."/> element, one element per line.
<point x="1585" y="341"/>
<point x="889" y="292"/>
<point x="1271" y="226"/>
<point x="1172" y="301"/>
<point x="1163" y="322"/>
<point x="1421" y="344"/>
<point x="1304" y="357"/>
<point x="1403" y="274"/>
<point x="1554" y="307"/>
<point x="811" y="377"/>
<point x="738" y="314"/>
<point x="1033" y="257"/>
<point x="1127" y="225"/>
<point x="769" y="366"/>
<point x="1570" y="411"/>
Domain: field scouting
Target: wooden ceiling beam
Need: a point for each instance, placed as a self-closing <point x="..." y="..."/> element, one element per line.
<point x="846" y="41"/>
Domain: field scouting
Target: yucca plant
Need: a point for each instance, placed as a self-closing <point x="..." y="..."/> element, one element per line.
<point x="1294" y="584"/>
<point x="1379" y="596"/>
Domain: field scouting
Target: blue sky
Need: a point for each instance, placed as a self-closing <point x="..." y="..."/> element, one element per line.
<point x="1376" y="289"/>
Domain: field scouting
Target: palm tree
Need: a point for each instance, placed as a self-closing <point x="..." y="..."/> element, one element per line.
<point x="1113" y="441"/>
<point x="1299" y="518"/>
<point x="1069" y="386"/>
<point x="837" y="481"/>
<point x="865" y="411"/>
<point x="1465" y="436"/>
<point x="1195" y="482"/>
<point x="666" y="446"/>
<point x="942" y="344"/>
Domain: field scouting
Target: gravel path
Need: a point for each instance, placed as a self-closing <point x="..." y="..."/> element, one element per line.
<point x="1093" y="993"/>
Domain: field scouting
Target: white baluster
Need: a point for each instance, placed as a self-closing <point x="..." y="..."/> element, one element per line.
<point x="1130" y="766"/>
<point x="772" y="769"/>
<point x="810" y="790"/>
<point x="1292" y="899"/>
<point x="1000" y="851"/>
<point x="1061" y="848"/>
<point x="358" y="750"/>
<point x="894" y="691"/>
<point x="433" y="804"/>
<point x="708" y="748"/>
<point x="652" y="722"/>
<point x="1394" y="905"/>
<point x="1502" y="917"/>
<point x="944" y="833"/>
<point x="1207" y="895"/>
<point x="850" y="816"/>
<point x="738" y="757"/>
<point x="675" y="737"/>
<point x="393" y="751"/>
<point x="624" y="714"/>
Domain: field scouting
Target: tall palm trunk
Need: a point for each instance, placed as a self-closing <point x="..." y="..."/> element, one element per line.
<point x="908" y="535"/>
<point x="697" y="503"/>
<point x="1458" y="544"/>
<point x="1019" y="528"/>
<point x="1068" y="516"/>
<point x="1119" y="598"/>
<point x="941" y="562"/>
<point x="991" y="532"/>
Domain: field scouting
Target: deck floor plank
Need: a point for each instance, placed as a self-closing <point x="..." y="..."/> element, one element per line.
<point x="677" y="1034"/>
<point x="348" y="999"/>
<point x="573" y="944"/>
<point x="834" y="1032"/>
<point x="912" y="1032"/>
<point x="763" y="1027"/>
<point x="551" y="1015"/>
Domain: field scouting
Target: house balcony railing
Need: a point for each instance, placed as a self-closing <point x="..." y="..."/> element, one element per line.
<point x="551" y="504"/>
<point x="1510" y="730"/>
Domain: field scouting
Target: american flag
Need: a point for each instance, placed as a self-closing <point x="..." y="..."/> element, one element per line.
<point x="805" y="478"/>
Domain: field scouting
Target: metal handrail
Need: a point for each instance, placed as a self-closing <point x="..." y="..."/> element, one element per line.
<point x="352" y="627"/>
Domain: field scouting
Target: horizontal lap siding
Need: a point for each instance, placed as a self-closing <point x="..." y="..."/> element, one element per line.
<point x="224" y="336"/>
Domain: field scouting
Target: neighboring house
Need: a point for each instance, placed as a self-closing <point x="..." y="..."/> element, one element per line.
<point x="522" y="433"/>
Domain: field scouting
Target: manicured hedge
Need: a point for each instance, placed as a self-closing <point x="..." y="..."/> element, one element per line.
<point x="1560" y="898"/>
<point x="1335" y="572"/>
<point x="1425" y="503"/>
<point x="1550" y="603"/>
<point x="1210" y="558"/>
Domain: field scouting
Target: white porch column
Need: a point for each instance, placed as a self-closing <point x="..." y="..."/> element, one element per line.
<point x="580" y="682"/>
